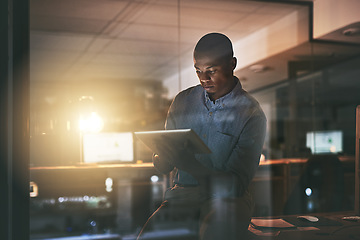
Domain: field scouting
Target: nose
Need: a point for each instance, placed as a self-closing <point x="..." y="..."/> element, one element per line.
<point x="203" y="76"/>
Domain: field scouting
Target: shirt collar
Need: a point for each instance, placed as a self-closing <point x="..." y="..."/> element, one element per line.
<point x="221" y="102"/>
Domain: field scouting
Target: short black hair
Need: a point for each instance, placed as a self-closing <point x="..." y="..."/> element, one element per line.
<point x="215" y="44"/>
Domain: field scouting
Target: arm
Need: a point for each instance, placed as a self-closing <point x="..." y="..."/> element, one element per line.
<point x="245" y="157"/>
<point x="242" y="163"/>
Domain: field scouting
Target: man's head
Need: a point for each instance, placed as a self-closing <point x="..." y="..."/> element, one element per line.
<point x="216" y="45"/>
<point x="214" y="63"/>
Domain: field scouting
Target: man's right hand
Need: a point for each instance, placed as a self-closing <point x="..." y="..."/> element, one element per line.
<point x="162" y="165"/>
<point x="181" y="157"/>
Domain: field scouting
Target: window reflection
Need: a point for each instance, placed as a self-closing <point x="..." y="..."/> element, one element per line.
<point x="132" y="58"/>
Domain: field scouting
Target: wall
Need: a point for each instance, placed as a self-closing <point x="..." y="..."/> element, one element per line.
<point x="287" y="32"/>
<point x="330" y="15"/>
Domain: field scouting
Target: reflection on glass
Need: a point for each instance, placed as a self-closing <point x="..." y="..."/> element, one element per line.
<point x="126" y="55"/>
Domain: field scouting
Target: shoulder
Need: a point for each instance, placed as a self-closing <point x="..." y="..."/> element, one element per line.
<point x="189" y="94"/>
<point x="247" y="104"/>
<point x="243" y="98"/>
<point x="194" y="90"/>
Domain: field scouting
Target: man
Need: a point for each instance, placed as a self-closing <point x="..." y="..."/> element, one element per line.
<point x="232" y="125"/>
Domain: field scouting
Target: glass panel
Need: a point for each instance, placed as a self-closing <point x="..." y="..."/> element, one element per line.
<point x="113" y="68"/>
<point x="312" y="116"/>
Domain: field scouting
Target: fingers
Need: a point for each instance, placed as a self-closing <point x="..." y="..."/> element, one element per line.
<point x="162" y="165"/>
<point x="178" y="154"/>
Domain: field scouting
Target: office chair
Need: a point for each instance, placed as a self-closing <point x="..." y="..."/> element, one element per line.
<point x="320" y="187"/>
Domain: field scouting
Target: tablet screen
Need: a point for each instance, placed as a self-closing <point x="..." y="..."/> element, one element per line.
<point x="175" y="138"/>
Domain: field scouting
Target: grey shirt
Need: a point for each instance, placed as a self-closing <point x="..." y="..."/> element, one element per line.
<point x="233" y="128"/>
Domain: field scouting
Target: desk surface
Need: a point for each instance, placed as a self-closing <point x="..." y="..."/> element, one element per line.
<point x="92" y="166"/>
<point x="299" y="160"/>
<point x="341" y="230"/>
<point x="150" y="165"/>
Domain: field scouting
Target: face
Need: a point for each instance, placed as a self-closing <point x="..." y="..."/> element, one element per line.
<point x="216" y="76"/>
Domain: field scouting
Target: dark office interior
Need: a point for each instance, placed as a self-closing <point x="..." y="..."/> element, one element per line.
<point x="119" y="64"/>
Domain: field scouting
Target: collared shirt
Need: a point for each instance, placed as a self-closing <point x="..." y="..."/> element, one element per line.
<point x="233" y="127"/>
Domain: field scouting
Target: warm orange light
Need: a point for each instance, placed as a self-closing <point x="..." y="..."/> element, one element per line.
<point x="92" y="123"/>
<point x="34" y="192"/>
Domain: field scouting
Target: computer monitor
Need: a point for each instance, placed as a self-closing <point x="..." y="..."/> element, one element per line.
<point x="325" y="141"/>
<point x="108" y="147"/>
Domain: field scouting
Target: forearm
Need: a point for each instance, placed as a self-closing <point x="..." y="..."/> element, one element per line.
<point x="244" y="159"/>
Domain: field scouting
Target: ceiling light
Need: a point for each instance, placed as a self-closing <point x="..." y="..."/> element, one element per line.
<point x="258" y="68"/>
<point x="351" y="32"/>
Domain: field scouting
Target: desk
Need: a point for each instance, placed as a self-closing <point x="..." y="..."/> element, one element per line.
<point x="343" y="231"/>
<point x="135" y="197"/>
<point x="71" y="198"/>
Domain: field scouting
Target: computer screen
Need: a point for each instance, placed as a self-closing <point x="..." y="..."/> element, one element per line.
<point x="109" y="147"/>
<point x="325" y="141"/>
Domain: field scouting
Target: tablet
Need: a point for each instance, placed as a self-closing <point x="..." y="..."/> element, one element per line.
<point x="175" y="138"/>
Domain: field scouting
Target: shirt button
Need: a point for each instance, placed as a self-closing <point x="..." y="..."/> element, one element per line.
<point x="210" y="114"/>
<point x="204" y="135"/>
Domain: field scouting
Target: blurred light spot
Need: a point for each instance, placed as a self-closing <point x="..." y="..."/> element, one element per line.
<point x="154" y="178"/>
<point x="308" y="192"/>
<point x="310" y="205"/>
<point x="93" y="223"/>
<point x="109" y="184"/>
<point x="333" y="149"/>
<point x="92" y="123"/>
<point x="61" y="199"/>
<point x="34" y="192"/>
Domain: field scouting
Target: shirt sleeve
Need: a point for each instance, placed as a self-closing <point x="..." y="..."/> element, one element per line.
<point x="245" y="157"/>
<point x="170" y="119"/>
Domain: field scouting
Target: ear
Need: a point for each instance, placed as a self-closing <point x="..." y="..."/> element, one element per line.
<point x="233" y="63"/>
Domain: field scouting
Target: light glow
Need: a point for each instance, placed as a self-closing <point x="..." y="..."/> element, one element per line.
<point x="333" y="149"/>
<point x="91" y="124"/>
<point x="109" y="184"/>
<point x="154" y="178"/>
<point x="34" y="192"/>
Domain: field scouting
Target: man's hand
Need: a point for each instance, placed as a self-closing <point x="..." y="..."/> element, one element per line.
<point x="182" y="157"/>
<point x="162" y="165"/>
